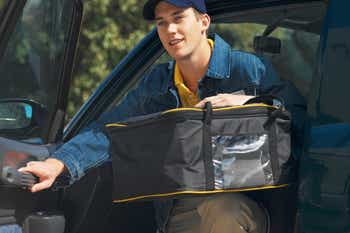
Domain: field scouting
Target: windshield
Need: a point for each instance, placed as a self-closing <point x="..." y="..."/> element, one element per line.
<point x="32" y="63"/>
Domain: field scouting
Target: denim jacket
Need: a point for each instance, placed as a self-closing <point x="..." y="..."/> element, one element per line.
<point x="228" y="71"/>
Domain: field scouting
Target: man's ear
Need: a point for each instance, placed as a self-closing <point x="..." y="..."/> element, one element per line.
<point x="205" y="22"/>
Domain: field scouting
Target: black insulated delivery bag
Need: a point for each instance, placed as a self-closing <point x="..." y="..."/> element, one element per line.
<point x="201" y="151"/>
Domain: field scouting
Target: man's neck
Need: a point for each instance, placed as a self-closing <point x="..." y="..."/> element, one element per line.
<point x="194" y="68"/>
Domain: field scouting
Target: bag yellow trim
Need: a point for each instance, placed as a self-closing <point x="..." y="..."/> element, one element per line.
<point x="199" y="110"/>
<point x="200" y="192"/>
<point x="218" y="109"/>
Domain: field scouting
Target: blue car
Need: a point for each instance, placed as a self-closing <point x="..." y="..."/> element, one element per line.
<point x="307" y="42"/>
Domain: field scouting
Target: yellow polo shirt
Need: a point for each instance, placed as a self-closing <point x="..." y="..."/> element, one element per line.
<point x="187" y="97"/>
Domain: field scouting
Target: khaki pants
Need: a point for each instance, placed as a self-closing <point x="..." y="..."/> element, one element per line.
<point x="219" y="213"/>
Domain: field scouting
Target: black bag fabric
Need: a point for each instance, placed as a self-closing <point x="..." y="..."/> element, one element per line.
<point x="201" y="151"/>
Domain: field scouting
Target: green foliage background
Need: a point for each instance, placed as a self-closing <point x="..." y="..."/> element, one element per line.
<point x="2" y="3"/>
<point x="111" y="28"/>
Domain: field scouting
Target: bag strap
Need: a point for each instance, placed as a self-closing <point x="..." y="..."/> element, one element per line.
<point x="208" y="113"/>
<point x="207" y="147"/>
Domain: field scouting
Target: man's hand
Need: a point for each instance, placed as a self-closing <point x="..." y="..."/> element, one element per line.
<point x="224" y="100"/>
<point x="47" y="172"/>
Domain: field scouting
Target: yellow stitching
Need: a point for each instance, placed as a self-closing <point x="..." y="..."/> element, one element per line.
<point x="116" y="125"/>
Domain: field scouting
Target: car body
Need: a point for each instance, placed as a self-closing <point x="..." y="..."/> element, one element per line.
<point x="32" y="114"/>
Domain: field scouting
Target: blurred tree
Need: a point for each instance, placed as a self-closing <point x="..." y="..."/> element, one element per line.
<point x="2" y="4"/>
<point x="110" y="30"/>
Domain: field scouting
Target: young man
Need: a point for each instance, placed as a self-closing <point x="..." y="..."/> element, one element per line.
<point x="203" y="70"/>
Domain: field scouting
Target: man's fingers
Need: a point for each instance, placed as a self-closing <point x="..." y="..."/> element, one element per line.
<point x="22" y="169"/>
<point x="224" y="100"/>
<point x="214" y="100"/>
<point x="41" y="186"/>
<point x="26" y="170"/>
<point x="31" y="163"/>
<point x="29" y="168"/>
<point x="220" y="103"/>
<point x="47" y="171"/>
<point x="199" y="104"/>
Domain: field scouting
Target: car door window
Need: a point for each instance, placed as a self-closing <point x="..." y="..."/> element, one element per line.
<point x="331" y="83"/>
<point x="335" y="85"/>
<point x="297" y="58"/>
<point x="32" y="63"/>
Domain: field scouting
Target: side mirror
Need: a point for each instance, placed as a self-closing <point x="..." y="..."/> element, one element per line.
<point x="18" y="116"/>
<point x="266" y="44"/>
<point x="15" y="115"/>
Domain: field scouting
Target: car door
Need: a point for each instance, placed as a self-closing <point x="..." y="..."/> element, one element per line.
<point x="324" y="194"/>
<point x="44" y="60"/>
<point x="37" y="47"/>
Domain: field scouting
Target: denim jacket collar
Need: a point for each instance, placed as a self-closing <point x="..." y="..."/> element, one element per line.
<point x="222" y="52"/>
<point x="217" y="69"/>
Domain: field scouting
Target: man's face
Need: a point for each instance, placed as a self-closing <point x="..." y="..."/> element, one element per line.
<point x="180" y="30"/>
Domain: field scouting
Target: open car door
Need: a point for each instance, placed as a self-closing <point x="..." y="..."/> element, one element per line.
<point x="37" y="47"/>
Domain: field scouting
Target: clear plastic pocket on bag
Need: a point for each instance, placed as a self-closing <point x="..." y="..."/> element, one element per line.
<point x="241" y="161"/>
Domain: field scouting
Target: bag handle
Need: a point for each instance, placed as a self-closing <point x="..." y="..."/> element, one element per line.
<point x="207" y="147"/>
<point x="269" y="100"/>
<point x="266" y="99"/>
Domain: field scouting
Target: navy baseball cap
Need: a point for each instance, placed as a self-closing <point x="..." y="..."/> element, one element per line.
<point x="149" y="7"/>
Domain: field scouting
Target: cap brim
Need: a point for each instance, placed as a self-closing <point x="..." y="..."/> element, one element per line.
<point x="149" y="7"/>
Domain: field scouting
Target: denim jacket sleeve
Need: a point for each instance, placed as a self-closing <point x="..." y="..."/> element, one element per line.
<point x="90" y="147"/>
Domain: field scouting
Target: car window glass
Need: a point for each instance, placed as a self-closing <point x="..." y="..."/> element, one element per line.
<point x="335" y="85"/>
<point x="332" y="82"/>
<point x="296" y="60"/>
<point x="32" y="63"/>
